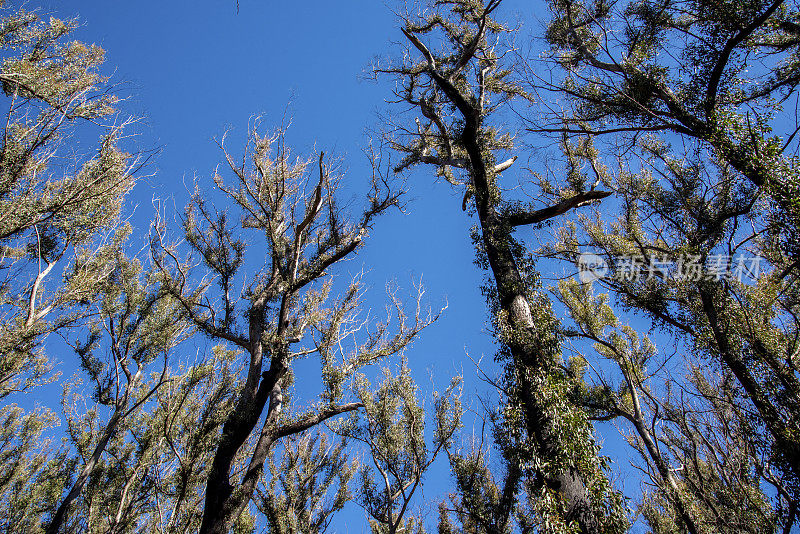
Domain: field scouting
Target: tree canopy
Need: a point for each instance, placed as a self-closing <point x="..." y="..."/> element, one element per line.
<point x="624" y="176"/>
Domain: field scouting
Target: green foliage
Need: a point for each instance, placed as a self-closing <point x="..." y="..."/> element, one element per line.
<point x="479" y="502"/>
<point x="462" y="82"/>
<point x="393" y="429"/>
<point x="308" y="486"/>
<point x="50" y="201"/>
<point x="285" y="312"/>
<point x="554" y="387"/>
<point x="33" y="470"/>
<point x="676" y="106"/>
<point x="639" y="81"/>
<point x="676" y="211"/>
<point x="703" y="176"/>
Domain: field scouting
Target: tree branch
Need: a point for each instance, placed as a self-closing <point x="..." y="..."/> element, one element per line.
<point x="719" y="67"/>
<point x="534" y="217"/>
<point x="314" y="419"/>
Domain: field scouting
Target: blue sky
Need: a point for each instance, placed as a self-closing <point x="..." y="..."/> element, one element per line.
<point x="194" y="69"/>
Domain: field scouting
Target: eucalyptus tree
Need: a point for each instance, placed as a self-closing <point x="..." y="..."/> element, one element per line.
<point x="688" y="105"/>
<point x="456" y="77"/>
<point x="52" y="196"/>
<point x="728" y="168"/>
<point x="134" y="330"/>
<point x="482" y="500"/>
<point x="182" y="431"/>
<point x="392" y="426"/>
<point x="684" y="251"/>
<point x="312" y="479"/>
<point x="34" y="470"/>
<point x="285" y="311"/>
<point x="106" y="474"/>
<point x="692" y="250"/>
<point x="703" y="472"/>
<point x="715" y="73"/>
<point x="58" y="207"/>
<point x="729" y="484"/>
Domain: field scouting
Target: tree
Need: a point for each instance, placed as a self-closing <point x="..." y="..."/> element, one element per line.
<point x="704" y="164"/>
<point x="694" y="433"/>
<point x="135" y="325"/>
<point x="668" y="255"/>
<point x="624" y="72"/>
<point x="482" y="502"/>
<point x="284" y="312"/>
<point x="459" y="89"/>
<point x="297" y="499"/>
<point x="50" y="201"/>
<point x="57" y="208"/>
<point x="478" y="504"/>
<point x="674" y="119"/>
<point x="723" y="475"/>
<point x="33" y="470"/>
<point x="181" y="432"/>
<point x="393" y="429"/>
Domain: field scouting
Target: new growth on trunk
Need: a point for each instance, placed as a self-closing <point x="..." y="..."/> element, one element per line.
<point x="455" y="74"/>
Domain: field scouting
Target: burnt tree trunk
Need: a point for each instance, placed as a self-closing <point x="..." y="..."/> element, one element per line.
<point x="224" y="501"/>
<point x="496" y="238"/>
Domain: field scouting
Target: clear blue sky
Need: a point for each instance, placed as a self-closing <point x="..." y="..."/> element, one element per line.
<point x="194" y="69"/>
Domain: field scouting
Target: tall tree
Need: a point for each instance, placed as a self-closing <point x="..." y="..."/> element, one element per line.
<point x="683" y="252"/>
<point x="33" y="470"/>
<point x="58" y="207"/>
<point x="708" y="179"/>
<point x="50" y="200"/>
<point x="624" y="70"/>
<point x="456" y="76"/>
<point x="284" y="312"/>
<point x="694" y="433"/>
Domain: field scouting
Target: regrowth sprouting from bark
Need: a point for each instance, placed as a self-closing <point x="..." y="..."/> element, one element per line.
<point x="455" y="74"/>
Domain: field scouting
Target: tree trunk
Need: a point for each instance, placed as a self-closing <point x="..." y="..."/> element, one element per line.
<point x="61" y="514"/>
<point x="510" y="288"/>
<point x="223" y="505"/>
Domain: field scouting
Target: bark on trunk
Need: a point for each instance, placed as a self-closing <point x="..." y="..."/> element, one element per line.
<point x="223" y="502"/>
<point x="510" y="288"/>
<point x="539" y="425"/>
<point x="61" y="514"/>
